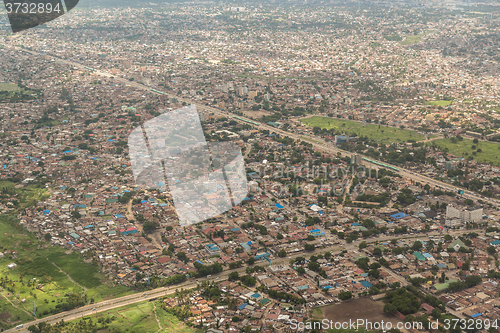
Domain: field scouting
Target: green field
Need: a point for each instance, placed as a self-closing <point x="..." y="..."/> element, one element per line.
<point x="7" y="86"/>
<point x="25" y="196"/>
<point x="378" y="133"/>
<point x="439" y="103"/>
<point x="490" y="150"/>
<point x="10" y="92"/>
<point x="138" y="317"/>
<point x="18" y="289"/>
<point x="412" y="39"/>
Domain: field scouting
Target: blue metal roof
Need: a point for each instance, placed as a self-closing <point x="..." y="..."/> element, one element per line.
<point x="399" y="215"/>
<point x="366" y="284"/>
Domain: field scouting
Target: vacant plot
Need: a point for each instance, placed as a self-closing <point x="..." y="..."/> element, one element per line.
<point x="7" y="86"/>
<point x="11" y="92"/>
<point x="309" y="139"/>
<point x="361" y="308"/>
<point x="379" y="133"/>
<point x="484" y="151"/>
<point x="84" y="274"/>
<point x="139" y="317"/>
<point x="256" y="114"/>
<point x="412" y="39"/>
<point x="439" y="103"/>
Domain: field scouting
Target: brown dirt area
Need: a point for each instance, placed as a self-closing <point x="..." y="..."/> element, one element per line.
<point x="361" y="308"/>
<point x="256" y="114"/>
<point x="4" y="316"/>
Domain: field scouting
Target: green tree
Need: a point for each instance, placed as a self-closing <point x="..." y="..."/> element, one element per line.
<point x="390" y="309"/>
<point x="417" y="246"/>
<point x="309" y="247"/>
<point x="344" y="295"/>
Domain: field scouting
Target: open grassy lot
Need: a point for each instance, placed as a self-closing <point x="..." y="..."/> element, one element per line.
<point x="25" y="196"/>
<point x="37" y="279"/>
<point x="13" y="93"/>
<point x="439" y="103"/>
<point x="84" y="274"/>
<point x="139" y="317"/>
<point x="378" y="133"/>
<point x="490" y="151"/>
<point x="11" y="316"/>
<point x="134" y="318"/>
<point x="412" y="39"/>
<point x="7" y="86"/>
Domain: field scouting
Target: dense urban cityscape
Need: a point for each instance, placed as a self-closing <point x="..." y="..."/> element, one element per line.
<point x="370" y="188"/>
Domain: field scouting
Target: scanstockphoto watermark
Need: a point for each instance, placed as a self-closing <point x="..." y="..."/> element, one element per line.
<point x="326" y="324"/>
<point x="295" y="180"/>
<point x="469" y="324"/>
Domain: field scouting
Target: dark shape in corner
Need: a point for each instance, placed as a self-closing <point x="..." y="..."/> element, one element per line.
<point x="27" y="14"/>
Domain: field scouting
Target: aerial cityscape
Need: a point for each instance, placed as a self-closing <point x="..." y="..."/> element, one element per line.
<point x="277" y="166"/>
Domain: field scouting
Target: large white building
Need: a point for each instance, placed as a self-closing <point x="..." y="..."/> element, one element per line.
<point x="463" y="216"/>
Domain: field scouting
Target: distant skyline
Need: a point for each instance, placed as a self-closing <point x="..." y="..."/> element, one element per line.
<point x="124" y="3"/>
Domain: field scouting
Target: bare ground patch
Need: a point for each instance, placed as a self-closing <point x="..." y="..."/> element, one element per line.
<point x="361" y="308"/>
<point x="5" y="316"/>
<point x="256" y="114"/>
